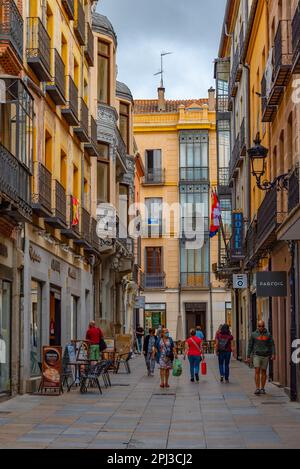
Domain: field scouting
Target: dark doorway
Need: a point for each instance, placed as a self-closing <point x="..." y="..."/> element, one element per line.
<point x="195" y="314"/>
<point x="55" y="317"/>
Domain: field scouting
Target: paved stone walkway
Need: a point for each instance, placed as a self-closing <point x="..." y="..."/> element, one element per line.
<point x="136" y="413"/>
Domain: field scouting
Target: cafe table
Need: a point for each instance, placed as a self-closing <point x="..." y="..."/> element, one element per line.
<point x="78" y="365"/>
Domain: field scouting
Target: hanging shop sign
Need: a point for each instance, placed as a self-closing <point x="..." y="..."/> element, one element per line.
<point x="140" y="302"/>
<point x="237" y="243"/>
<point x="271" y="284"/>
<point x="52" y="370"/>
<point x="240" y="281"/>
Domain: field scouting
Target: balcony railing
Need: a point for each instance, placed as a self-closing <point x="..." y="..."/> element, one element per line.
<point x="58" y="219"/>
<point x="85" y="225"/>
<point x="69" y="7"/>
<point x="223" y="177"/>
<point x="236" y="72"/>
<point x="15" y="186"/>
<point x="268" y="110"/>
<point x="294" y="190"/>
<point x="283" y="53"/>
<point x="243" y="142"/>
<point x="296" y="40"/>
<point x="79" y="24"/>
<point x="38" y="49"/>
<point x="268" y="219"/>
<point x="154" y="281"/>
<point x="41" y="197"/>
<point x="89" y="47"/>
<point x="241" y="42"/>
<point x="70" y="111"/>
<point x="235" y="156"/>
<point x="92" y="146"/>
<point x="57" y="87"/>
<point x="194" y="174"/>
<point x="250" y="242"/>
<point x="95" y="241"/>
<point x="155" y="176"/>
<point x="121" y="148"/>
<point x="72" y="231"/>
<point x="82" y="131"/>
<point x="195" y="280"/>
<point x="11" y="26"/>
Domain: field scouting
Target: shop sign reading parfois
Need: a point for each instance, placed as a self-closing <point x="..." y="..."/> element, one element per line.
<point x="271" y="284"/>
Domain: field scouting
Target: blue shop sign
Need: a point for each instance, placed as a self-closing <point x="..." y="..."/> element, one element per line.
<point x="237" y="247"/>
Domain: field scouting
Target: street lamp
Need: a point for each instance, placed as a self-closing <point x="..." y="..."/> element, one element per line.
<point x="258" y="157"/>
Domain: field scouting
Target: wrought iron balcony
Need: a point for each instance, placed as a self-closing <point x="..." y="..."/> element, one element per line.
<point x="268" y="220"/>
<point x="243" y="142"/>
<point x="57" y="87"/>
<point x="82" y="131"/>
<point x="194" y="174"/>
<point x="250" y="242"/>
<point x="70" y="111"/>
<point x="85" y="229"/>
<point x="241" y="43"/>
<point x="11" y="27"/>
<point x="283" y="53"/>
<point x="294" y="190"/>
<point x="269" y="111"/>
<point x="92" y="146"/>
<point x="154" y="281"/>
<point x="121" y="149"/>
<point x="72" y="231"/>
<point x="195" y="280"/>
<point x="89" y="47"/>
<point x="296" y="40"/>
<point x="59" y="206"/>
<point x="79" y="24"/>
<point x="235" y="157"/>
<point x="41" y="197"/>
<point x="38" y="49"/>
<point x="155" y="177"/>
<point x="236" y="72"/>
<point x="69" y="8"/>
<point x="95" y="240"/>
<point x="15" y="188"/>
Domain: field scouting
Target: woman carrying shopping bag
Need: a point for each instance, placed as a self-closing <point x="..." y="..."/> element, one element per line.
<point x="194" y="352"/>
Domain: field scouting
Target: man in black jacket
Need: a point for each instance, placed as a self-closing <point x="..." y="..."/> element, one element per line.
<point x="150" y="351"/>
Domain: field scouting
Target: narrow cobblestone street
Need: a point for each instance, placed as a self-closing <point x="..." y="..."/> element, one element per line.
<point x="135" y="413"/>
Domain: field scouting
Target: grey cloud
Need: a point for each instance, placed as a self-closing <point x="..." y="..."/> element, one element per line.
<point x="189" y="28"/>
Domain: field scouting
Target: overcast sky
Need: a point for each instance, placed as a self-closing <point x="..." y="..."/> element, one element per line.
<point x="189" y="28"/>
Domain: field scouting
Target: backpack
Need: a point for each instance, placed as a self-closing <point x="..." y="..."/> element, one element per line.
<point x="222" y="344"/>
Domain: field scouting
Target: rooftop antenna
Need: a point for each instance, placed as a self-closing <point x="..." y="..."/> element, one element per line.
<point x="161" y="72"/>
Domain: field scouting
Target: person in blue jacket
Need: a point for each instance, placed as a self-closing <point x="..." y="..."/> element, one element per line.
<point x="150" y="351"/>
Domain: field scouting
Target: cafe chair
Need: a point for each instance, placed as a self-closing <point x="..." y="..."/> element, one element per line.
<point x="124" y="358"/>
<point x="91" y="378"/>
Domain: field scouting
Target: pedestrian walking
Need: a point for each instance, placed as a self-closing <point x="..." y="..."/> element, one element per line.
<point x="139" y="332"/>
<point x="262" y="349"/>
<point x="194" y="352"/>
<point x="224" y="350"/>
<point x="199" y="332"/>
<point x="150" y="351"/>
<point x="93" y="335"/>
<point x="165" y="357"/>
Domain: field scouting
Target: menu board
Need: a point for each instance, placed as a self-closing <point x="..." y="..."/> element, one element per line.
<point x="123" y="343"/>
<point x="52" y="369"/>
<point x="110" y="345"/>
<point x="82" y="350"/>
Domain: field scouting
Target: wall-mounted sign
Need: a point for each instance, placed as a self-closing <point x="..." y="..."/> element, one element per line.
<point x="34" y="256"/>
<point x="271" y="284"/>
<point x="3" y="250"/>
<point x="51" y="369"/>
<point x="240" y="281"/>
<point x="55" y="265"/>
<point x="72" y="273"/>
<point x="140" y="302"/>
<point x="237" y="243"/>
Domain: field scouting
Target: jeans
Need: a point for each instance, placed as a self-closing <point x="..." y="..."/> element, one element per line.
<point x="224" y="362"/>
<point x="194" y="365"/>
<point x="150" y="362"/>
<point x="139" y="343"/>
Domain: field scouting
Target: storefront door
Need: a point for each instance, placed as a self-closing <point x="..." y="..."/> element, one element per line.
<point x="5" y="328"/>
<point x="153" y="319"/>
<point x="55" y="317"/>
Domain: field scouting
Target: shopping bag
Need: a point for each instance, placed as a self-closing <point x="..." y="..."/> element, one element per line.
<point x="177" y="368"/>
<point x="203" y="367"/>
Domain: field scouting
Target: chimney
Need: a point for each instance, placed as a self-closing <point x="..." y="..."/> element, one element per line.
<point x="211" y="99"/>
<point x="161" y="99"/>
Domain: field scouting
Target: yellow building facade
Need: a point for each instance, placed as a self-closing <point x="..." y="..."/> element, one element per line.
<point x="177" y="142"/>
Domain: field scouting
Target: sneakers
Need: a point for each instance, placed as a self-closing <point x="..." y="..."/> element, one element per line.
<point x="222" y="379"/>
<point x="263" y="391"/>
<point x="257" y="392"/>
<point x="197" y="378"/>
